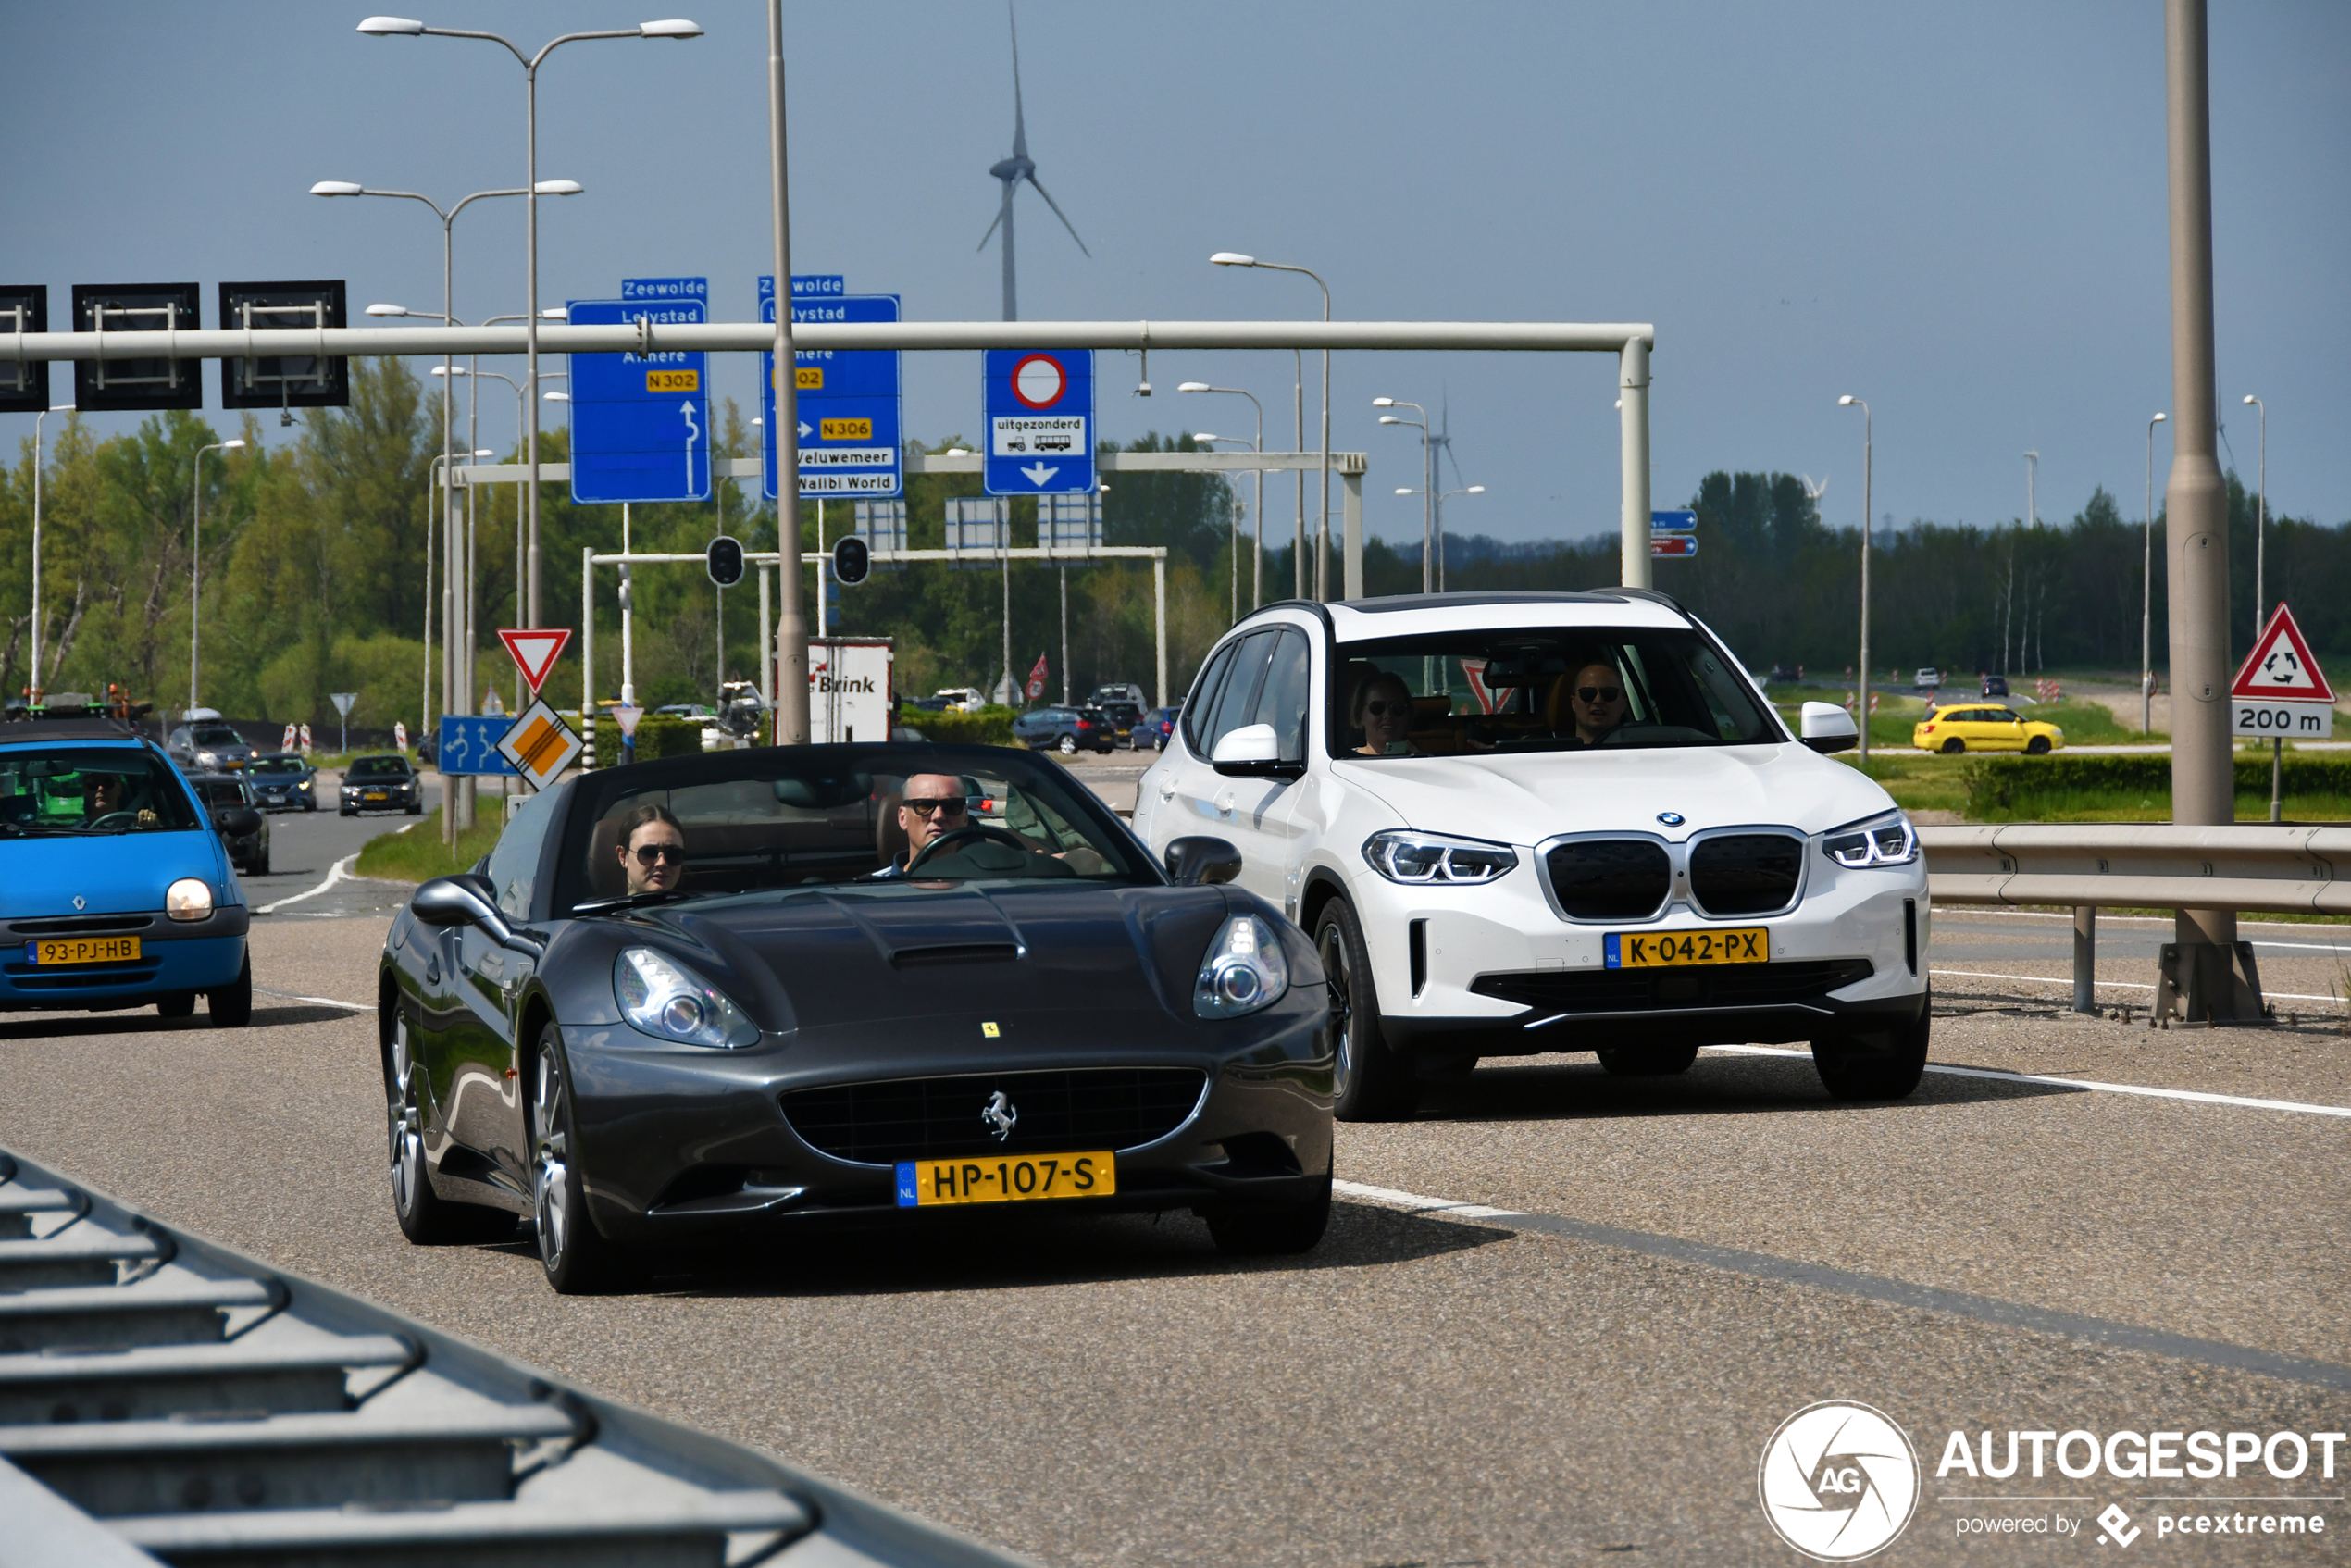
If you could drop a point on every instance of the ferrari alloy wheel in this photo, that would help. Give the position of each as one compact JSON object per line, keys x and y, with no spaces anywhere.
{"x":1875,"y":1064}
{"x":1373,"y":1083}
{"x":574,"y":1252}
{"x":426,"y":1218}
{"x":1646,"y":1061}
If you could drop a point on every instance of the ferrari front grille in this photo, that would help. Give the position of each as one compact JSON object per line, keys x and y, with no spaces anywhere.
{"x":1071,"y":1109}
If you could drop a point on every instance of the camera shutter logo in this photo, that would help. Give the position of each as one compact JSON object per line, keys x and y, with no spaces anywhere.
{"x":1838,"y":1481}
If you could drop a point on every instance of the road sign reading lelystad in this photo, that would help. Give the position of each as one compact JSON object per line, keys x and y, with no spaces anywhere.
{"x":1039,"y":408}
{"x":849,"y":441}
{"x":640,"y":422}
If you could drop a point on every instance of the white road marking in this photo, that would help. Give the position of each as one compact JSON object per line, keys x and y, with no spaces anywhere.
{"x":2199,"y":1096}
{"x":2126,"y":985}
{"x":335,"y":873}
{"x":321,"y":1000}
{"x":1417,"y":1203}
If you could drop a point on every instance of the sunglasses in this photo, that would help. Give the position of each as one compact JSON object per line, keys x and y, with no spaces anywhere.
{"x":1376,"y":707}
{"x":648,"y":854}
{"x":1600,"y":693}
{"x":951,"y":806}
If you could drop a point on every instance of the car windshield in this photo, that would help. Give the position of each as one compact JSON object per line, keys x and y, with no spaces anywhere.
{"x":1562,"y":689}
{"x":818,"y":814}
{"x":217,"y":735}
{"x":378,"y":767}
{"x":277,"y":765}
{"x":89,"y":789}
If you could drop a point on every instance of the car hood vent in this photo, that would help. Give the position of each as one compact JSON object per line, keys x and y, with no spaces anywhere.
{"x":954,"y":953}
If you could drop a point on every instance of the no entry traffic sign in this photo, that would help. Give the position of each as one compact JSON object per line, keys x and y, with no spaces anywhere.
{"x":1038,"y":406}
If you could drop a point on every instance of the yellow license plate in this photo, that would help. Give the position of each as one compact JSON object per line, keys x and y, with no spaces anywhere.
{"x":1667,"y":949}
{"x":374,"y":795}
{"x":83,"y":950}
{"x":1002,"y":1178}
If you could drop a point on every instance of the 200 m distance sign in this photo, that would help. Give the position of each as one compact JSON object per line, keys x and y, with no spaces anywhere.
{"x":1038,"y":406}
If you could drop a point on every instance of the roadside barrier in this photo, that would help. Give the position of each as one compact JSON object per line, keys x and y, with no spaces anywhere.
{"x":166,"y":1400}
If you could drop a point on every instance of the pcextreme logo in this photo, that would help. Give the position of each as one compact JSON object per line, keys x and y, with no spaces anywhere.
{"x":1838,"y":1481}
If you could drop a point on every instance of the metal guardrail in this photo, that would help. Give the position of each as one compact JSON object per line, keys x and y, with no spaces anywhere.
{"x":164,"y":1400}
{"x":2090,"y":866}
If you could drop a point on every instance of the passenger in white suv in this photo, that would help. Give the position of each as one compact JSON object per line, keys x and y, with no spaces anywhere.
{"x":1588,"y":831}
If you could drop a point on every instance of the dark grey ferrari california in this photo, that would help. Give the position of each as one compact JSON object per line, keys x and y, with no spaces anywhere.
{"x":827,"y":1019}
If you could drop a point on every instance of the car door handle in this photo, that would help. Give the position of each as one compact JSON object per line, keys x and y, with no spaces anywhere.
{"x":1167,"y":788}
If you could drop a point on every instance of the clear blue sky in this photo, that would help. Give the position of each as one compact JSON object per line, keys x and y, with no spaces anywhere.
{"x":1956,"y":212}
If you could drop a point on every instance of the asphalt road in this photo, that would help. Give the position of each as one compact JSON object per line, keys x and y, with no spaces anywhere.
{"x":1684,"y":1263}
{"x":305,"y":848}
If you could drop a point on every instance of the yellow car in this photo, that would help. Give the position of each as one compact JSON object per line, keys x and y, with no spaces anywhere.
{"x":1975,"y":728}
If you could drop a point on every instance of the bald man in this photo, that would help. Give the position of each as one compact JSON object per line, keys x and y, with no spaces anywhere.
{"x":934,"y":804}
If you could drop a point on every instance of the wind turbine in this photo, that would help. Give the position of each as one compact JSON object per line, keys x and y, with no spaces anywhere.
{"x":1011,"y":171}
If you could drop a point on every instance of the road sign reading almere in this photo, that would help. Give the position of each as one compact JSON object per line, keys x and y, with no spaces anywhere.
{"x":640,"y":422}
{"x":1039,"y":408}
{"x":850,"y":442}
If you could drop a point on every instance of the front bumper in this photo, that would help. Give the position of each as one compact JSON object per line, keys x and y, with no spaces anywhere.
{"x":677,"y":1143}
{"x":1496,"y":970}
{"x":175,"y":957}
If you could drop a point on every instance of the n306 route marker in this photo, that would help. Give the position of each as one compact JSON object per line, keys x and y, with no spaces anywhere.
{"x":535,"y":651}
{"x":2281,"y":694}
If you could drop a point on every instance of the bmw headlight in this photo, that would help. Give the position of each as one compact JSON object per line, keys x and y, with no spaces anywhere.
{"x":1402,"y":856}
{"x":1242,"y":971}
{"x":188,"y":899}
{"x":665,"y":998}
{"x":1887,"y":840}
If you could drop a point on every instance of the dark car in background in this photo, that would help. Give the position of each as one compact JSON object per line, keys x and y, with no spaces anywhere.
{"x":284,"y":781}
{"x":231,"y":801}
{"x":1996,"y":686}
{"x":1066,"y":730}
{"x":208,"y":746}
{"x":383,"y":783}
{"x":1124,"y":718}
{"x":1156,"y":726}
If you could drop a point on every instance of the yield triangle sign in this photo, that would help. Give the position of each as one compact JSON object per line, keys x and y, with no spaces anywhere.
{"x":536,"y":650}
{"x":2280,"y":669}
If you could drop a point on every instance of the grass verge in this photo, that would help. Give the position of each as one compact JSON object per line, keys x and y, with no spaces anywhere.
{"x":414,"y":852}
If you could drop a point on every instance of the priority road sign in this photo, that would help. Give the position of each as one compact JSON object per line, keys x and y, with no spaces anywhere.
{"x":2279,"y":692}
{"x":535,"y":651}
{"x":469,"y":745}
{"x":640,"y":422}
{"x":850,"y":408}
{"x":1039,"y":408}
{"x":539,"y":746}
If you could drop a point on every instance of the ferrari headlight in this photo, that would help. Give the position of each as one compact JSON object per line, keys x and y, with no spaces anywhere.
{"x":665,"y":998}
{"x":1242,"y":971}
{"x":189,"y":899}
{"x":1887,"y":839}
{"x":1402,"y":856}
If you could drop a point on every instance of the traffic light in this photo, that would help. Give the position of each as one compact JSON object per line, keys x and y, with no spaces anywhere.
{"x":24,"y":388}
{"x":288,"y":382}
{"x":104,"y":384}
{"x":725,"y":559}
{"x":853,"y":559}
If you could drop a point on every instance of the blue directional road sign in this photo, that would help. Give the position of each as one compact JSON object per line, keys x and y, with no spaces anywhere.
{"x":469,"y":743}
{"x":640,"y":422}
{"x":1672,"y":522}
{"x":1039,"y":408}
{"x":849,"y":399}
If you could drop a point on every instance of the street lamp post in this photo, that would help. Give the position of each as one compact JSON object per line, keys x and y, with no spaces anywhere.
{"x":38,"y":420}
{"x":1323,"y":525}
{"x":1257,"y":578}
{"x":195,"y":558}
{"x":2260,"y":515}
{"x":473,"y":432}
{"x":1428,"y":487}
{"x":1441,"y":498}
{"x":402,"y":27}
{"x":1861,"y":694}
{"x":2146,"y":596}
{"x":1207,"y":439}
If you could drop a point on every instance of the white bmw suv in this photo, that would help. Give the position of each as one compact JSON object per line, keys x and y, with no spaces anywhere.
{"x":1521,"y":823}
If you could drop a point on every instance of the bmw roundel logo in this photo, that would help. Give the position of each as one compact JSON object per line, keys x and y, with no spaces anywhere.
{"x":1672,"y":818}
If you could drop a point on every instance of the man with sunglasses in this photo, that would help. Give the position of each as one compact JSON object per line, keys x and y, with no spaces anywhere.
{"x":652,"y":850}
{"x":1596,"y":701}
{"x":934,"y":804}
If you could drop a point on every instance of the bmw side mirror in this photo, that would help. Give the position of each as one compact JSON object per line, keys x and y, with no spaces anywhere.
{"x":1252,"y":751}
{"x":1201,"y":860}
{"x":1826,"y":727}
{"x":239,"y":822}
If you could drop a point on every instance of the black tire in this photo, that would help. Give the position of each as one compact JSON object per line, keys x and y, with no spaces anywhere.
{"x":1647,"y":1061}
{"x":349,"y":811}
{"x":1257,"y":1230}
{"x":575,"y":1256}
{"x":180,"y":1004}
{"x":1066,"y":745}
{"x":1876,"y":1064}
{"x":1371,"y":1082}
{"x":1954,"y":746}
{"x":261,"y":867}
{"x":232,"y":1005}
{"x":417,"y":807}
{"x":2037,"y":747}
{"x":426,"y":1218}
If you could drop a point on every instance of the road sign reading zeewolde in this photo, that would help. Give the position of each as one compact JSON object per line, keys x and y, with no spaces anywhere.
{"x":535,"y":651}
{"x":1039,"y":408}
{"x":849,"y":441}
{"x":640,"y":422}
{"x":2279,"y":692}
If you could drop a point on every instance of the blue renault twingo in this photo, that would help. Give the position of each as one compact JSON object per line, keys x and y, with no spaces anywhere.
{"x":115,"y":889}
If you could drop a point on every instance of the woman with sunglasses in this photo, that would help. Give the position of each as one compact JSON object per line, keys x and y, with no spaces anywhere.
{"x":652,"y":850}
{"x":1596,"y":701}
{"x":1384,"y":713}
